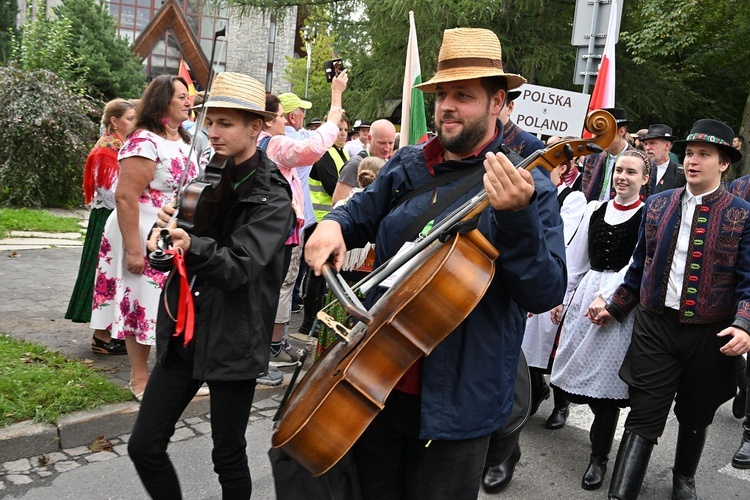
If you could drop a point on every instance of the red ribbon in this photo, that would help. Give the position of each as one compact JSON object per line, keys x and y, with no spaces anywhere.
{"x":185,"y":309}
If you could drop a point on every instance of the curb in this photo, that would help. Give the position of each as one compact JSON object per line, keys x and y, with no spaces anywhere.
{"x":29,"y":439}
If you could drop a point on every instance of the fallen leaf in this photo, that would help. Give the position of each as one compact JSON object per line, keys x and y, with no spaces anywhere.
{"x":42,"y":461}
{"x":87,"y":361}
{"x":100,"y":444}
{"x":14,"y":255}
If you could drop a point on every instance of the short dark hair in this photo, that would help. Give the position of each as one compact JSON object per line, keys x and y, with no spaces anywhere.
{"x":272,"y":103}
{"x":741,"y":139}
{"x":492,"y":84}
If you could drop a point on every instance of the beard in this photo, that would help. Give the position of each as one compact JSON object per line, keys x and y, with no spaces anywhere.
{"x":467,"y":139}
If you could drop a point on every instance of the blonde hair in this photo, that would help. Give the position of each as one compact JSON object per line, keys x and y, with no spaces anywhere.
{"x":117,"y":108}
{"x":368,"y":170}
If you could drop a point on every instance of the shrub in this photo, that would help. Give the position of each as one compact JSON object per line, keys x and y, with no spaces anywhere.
{"x":45,"y":135}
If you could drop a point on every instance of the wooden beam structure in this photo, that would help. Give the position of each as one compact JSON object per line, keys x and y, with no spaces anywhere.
{"x":171,"y":16}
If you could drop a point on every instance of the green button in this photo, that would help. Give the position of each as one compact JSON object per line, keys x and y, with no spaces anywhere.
{"x":695,"y":266}
{"x":692,"y":290}
{"x":689,"y":313}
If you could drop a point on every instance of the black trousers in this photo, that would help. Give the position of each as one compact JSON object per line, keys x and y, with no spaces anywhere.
{"x":668,"y":358}
{"x":169,"y":390}
{"x":394,"y":464}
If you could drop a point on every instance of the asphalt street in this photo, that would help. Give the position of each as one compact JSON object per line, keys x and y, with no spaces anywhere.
{"x":34,"y":290}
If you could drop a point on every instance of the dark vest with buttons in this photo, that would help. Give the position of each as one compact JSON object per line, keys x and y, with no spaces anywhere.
{"x":610,"y":246}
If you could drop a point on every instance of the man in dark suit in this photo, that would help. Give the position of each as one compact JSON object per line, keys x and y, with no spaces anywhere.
{"x":666,"y":174}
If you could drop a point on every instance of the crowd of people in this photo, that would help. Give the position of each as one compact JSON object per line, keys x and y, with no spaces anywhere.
{"x":623,"y":276}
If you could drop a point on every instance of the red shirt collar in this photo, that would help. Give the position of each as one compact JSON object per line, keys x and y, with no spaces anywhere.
{"x":434,"y":152}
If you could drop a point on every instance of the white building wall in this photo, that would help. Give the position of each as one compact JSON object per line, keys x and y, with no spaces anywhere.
{"x":248,"y":46}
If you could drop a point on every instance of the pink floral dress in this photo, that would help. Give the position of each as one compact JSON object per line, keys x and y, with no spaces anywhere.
{"x":126,"y":303}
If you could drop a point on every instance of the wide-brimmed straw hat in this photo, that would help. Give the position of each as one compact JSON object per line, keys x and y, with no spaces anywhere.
{"x":712,"y":132}
{"x":238,"y":91}
{"x":468,"y":53}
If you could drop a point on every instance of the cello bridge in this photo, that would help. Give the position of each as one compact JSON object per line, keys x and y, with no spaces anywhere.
{"x":340,"y":330}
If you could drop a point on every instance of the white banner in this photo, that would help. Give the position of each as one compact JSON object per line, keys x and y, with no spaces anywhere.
{"x":549,"y":111}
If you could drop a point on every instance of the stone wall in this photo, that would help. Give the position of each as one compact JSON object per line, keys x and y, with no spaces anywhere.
{"x":248,"y":46}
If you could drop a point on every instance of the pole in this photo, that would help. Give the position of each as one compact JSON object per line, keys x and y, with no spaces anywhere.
{"x":592,"y":41}
{"x":308,"y":48}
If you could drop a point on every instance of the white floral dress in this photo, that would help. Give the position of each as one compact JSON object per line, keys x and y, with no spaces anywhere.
{"x":126,"y":303}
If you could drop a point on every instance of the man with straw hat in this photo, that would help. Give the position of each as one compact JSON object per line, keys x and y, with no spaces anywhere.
{"x":689,"y":283}
{"x":430,"y":440}
{"x":234,"y":282}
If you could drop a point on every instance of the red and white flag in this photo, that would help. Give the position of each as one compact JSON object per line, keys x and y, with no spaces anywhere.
{"x":413,"y":121}
{"x":604,"y":89}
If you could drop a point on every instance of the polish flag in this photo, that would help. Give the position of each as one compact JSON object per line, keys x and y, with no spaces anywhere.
{"x":413,"y":121}
{"x":604,"y":88}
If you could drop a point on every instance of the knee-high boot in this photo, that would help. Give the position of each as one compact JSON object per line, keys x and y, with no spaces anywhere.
{"x":743,"y":384}
{"x":602,"y":434}
{"x":630,"y":467}
{"x":686,"y":458}
{"x":539,"y":389}
{"x":741,"y":459}
{"x":559,"y":414}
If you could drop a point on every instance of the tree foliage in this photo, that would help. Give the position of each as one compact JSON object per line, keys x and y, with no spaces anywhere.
{"x":112,"y":70}
{"x":47,"y":132}
{"x":319,"y":90}
{"x":46,"y":44}
{"x":676,"y":61}
{"x":8,"y":12}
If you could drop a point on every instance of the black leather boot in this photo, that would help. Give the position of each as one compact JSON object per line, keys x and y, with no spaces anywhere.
{"x":559,"y":414}
{"x":539,"y":389}
{"x":686,"y":458}
{"x":630,"y":467}
{"x":498,"y":477}
{"x":602,"y":434}
{"x":740,"y":400}
{"x":741,"y":459}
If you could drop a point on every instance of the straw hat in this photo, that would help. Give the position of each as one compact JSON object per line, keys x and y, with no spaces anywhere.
{"x":468,"y":53}
{"x":238,"y":91}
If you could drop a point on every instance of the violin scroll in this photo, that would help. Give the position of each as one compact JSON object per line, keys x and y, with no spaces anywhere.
{"x":159,"y":259}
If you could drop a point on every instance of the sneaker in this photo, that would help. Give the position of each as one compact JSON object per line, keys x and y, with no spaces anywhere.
{"x":287,"y":356}
{"x":272,"y":377}
{"x":297,"y":307}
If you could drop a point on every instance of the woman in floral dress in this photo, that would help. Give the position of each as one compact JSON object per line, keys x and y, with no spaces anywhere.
{"x":99,"y":177}
{"x":154,"y":165}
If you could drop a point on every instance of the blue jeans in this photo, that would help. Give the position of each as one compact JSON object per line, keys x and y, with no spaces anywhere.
{"x":169,"y":390}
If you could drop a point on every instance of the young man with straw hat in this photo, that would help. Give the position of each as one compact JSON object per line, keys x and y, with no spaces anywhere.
{"x":689,"y":284}
{"x":234,"y":283}
{"x":430,"y":440}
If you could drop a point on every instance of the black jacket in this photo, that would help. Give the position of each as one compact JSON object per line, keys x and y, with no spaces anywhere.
{"x":237,"y":282}
{"x":673,"y":178}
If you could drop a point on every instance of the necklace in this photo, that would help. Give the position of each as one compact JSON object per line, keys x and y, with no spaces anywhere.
{"x":627,"y":207}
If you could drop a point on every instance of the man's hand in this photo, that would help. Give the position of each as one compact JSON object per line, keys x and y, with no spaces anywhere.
{"x":740,"y":344}
{"x":338,"y":85}
{"x":180,"y":239}
{"x":165,"y":215}
{"x":508,"y":188}
{"x":325,"y":241}
{"x":602,"y":318}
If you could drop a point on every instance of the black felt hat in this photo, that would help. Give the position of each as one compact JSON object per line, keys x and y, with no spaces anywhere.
{"x":513,"y":95}
{"x":619,"y":115}
{"x":659,"y":131}
{"x":712,"y":132}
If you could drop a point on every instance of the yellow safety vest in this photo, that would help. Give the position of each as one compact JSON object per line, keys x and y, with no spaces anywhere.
{"x":321,"y":200}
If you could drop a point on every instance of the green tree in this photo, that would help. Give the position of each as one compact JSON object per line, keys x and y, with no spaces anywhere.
{"x":319,"y":90}
{"x":111,"y":69}
{"x":46,"y":44}
{"x":47,"y":132}
{"x":8,"y":12}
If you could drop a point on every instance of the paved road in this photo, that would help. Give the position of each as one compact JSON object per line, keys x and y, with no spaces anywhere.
{"x":34,"y":289}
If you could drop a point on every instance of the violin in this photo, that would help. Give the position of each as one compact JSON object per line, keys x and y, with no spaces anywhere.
{"x":201,"y":205}
{"x":343,"y":392}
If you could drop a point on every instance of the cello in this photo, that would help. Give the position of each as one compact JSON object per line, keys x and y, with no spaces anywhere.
{"x":343,"y":392}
